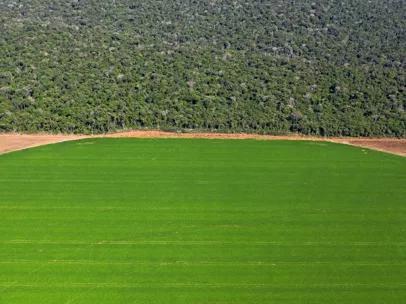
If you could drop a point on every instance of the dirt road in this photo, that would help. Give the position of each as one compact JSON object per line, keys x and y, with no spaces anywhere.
{"x":14,"y":142}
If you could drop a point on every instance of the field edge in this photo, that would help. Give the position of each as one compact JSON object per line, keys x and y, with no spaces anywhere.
{"x":10,"y":142}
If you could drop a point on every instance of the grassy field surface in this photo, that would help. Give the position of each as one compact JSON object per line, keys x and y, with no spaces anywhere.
{"x":111,"y":221}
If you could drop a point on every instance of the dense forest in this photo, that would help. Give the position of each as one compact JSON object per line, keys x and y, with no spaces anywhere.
{"x":321,"y":67}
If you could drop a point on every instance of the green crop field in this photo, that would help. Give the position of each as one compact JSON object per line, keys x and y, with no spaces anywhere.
{"x":106,"y":221}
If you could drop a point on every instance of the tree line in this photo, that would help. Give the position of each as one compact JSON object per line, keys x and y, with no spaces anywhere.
{"x":329,"y":68}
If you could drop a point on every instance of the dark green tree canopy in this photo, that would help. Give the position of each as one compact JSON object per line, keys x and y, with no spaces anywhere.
{"x":269,"y":66}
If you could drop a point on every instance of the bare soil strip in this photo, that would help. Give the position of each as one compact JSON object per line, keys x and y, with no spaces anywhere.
{"x":13,"y":142}
{"x":394,"y":146}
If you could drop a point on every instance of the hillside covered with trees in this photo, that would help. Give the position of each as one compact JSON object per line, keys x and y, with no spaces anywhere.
{"x":321,"y":67}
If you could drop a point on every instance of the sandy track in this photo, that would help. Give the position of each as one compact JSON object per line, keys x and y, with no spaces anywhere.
{"x":13,"y":142}
{"x":389,"y":145}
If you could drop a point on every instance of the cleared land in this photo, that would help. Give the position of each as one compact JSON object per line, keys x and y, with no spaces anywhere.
{"x":202,"y":221}
{"x":12,"y":142}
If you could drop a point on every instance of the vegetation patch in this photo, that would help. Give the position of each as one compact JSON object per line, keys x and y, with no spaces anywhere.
{"x":329,"y":68}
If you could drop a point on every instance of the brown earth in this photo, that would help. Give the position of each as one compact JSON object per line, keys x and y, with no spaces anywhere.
{"x":394,"y":146}
{"x":13,"y":142}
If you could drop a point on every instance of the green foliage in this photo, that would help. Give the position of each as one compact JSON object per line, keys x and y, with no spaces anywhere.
{"x":315,"y":67}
